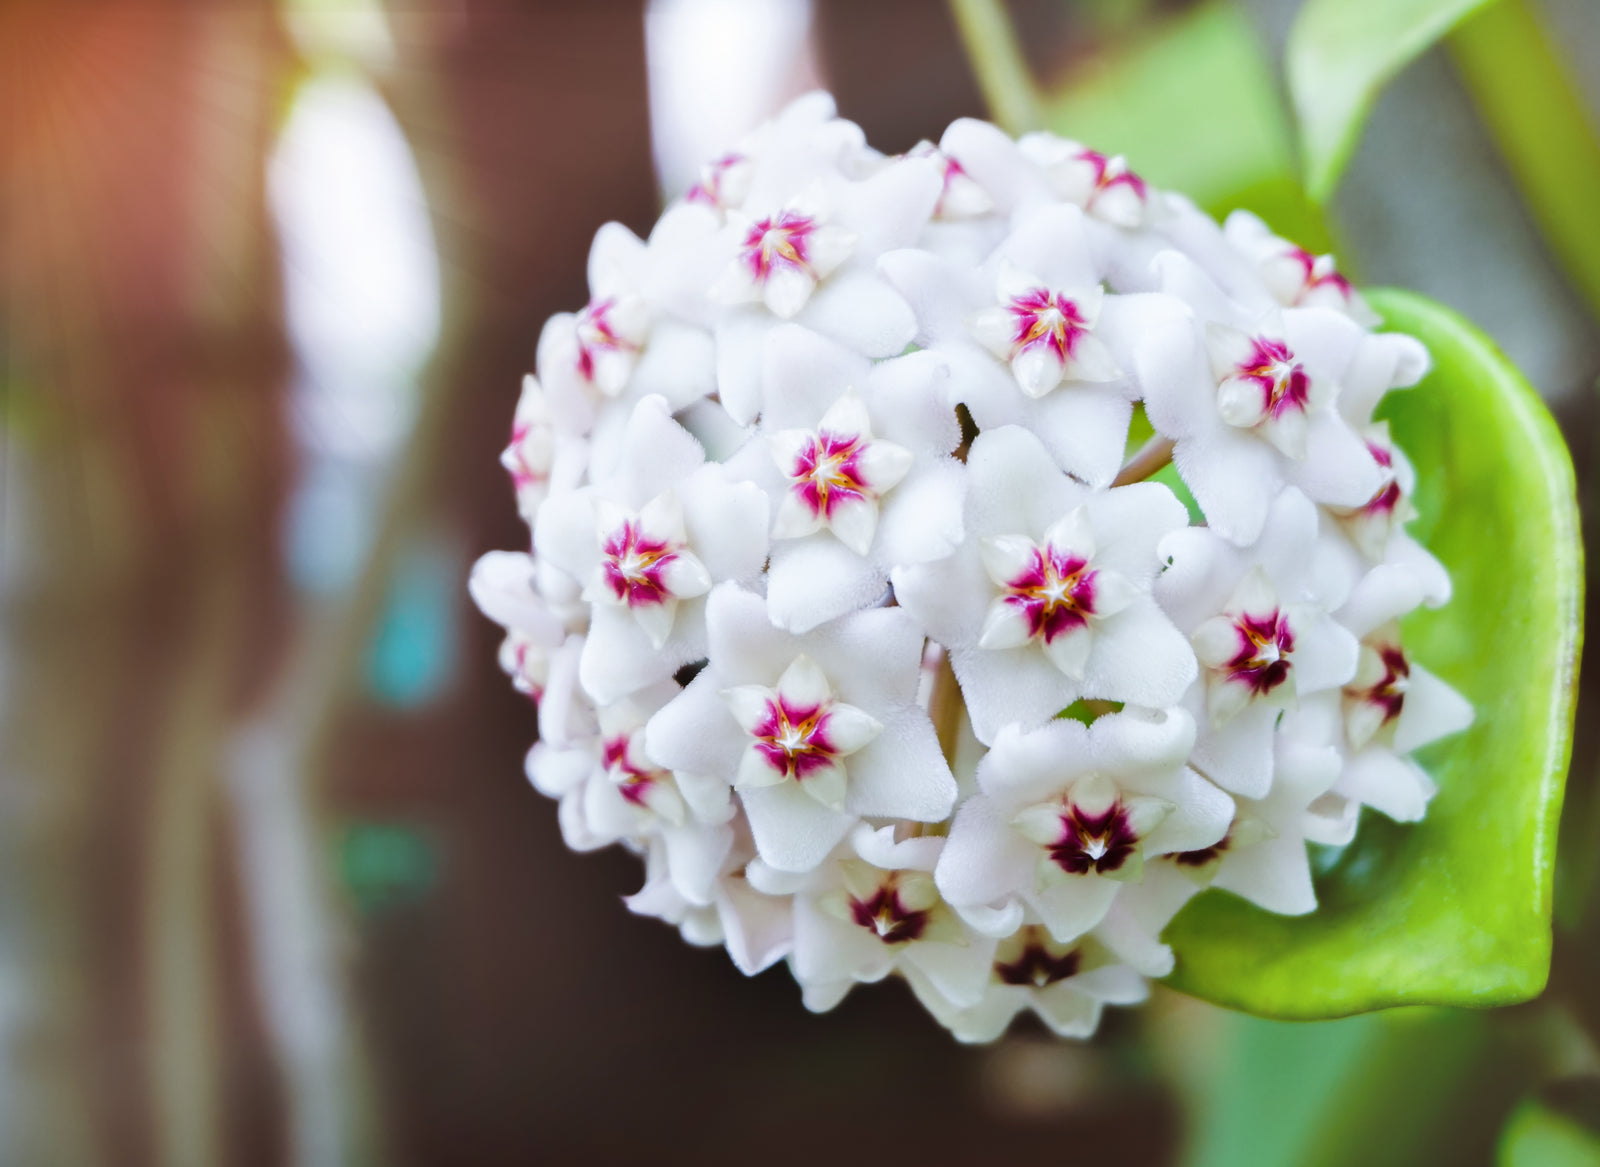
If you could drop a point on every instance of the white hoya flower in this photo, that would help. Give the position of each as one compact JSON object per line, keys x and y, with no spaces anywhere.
{"x":812,"y":259}
{"x":1067,"y":813}
{"x":1263,"y":856}
{"x":757,"y":929}
{"x":872,"y":909}
{"x":854,"y":459}
{"x":1048,"y":599}
{"x":1033,"y":339}
{"x":610,"y":791}
{"x":647,"y":543}
{"x":538,"y":458}
{"x":842,"y":617}
{"x":1247,"y":399}
{"x":813,"y":731}
{"x":1066,"y":983}
{"x":645,"y":328}
{"x":1390,"y":707}
{"x":1295,"y":277}
{"x":503,"y":586}
{"x":1376,"y":529}
{"x":1102,"y":185}
{"x":805,"y":141}
{"x":1260,"y":621}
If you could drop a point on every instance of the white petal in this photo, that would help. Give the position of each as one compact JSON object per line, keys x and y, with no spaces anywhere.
{"x":804,"y":685}
{"x":1092,"y":361}
{"x":1006,"y":557}
{"x":1072,"y":534}
{"x":818,"y":579}
{"x":854,"y":522}
{"x":686,"y":577}
{"x":849,"y":728}
{"x":862,"y":312}
{"x":883,"y":465}
{"x":1005,"y":625}
{"x":1216,"y":642}
{"x":1037,"y":370}
{"x":656,"y":620}
{"x":749,"y":704}
{"x":795,"y":518}
{"x":1432,"y":710}
{"x":1069,"y":650}
{"x":792,"y":830}
{"x":995,"y":329}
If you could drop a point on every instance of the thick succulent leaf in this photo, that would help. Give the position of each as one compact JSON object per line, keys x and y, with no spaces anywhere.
{"x":1340,"y":54}
{"x":1456,"y":909}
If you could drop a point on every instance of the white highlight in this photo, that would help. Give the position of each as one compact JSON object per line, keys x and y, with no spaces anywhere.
{"x":718,"y":68}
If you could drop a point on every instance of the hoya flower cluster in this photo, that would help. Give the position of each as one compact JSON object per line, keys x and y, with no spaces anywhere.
{"x":856,"y":612}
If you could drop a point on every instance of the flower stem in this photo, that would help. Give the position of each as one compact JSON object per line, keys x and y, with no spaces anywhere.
{"x":997,"y":60}
{"x":945,"y":707}
{"x":1152,"y":456}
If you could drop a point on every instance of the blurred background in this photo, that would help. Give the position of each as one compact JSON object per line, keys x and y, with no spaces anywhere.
{"x":273,"y":887}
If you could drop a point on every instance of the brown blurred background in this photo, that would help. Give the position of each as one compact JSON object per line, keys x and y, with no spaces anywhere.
{"x":273,"y":887}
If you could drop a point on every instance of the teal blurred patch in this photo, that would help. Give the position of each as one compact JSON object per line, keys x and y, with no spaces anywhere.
{"x":411,"y":657}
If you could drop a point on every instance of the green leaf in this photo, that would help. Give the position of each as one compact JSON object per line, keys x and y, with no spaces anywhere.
{"x":1537,"y":1136}
{"x":1189,"y":98}
{"x":1454,"y":910}
{"x":1340,"y":54}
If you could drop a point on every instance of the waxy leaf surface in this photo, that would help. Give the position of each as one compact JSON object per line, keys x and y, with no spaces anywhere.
{"x":1454,"y":910}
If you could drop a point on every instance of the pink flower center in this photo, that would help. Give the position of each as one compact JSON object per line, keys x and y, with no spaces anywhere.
{"x":516,"y":459}
{"x":1107,"y":176}
{"x":521,"y":678}
{"x":1319,"y":272}
{"x":1262,"y":658}
{"x":887,"y":918}
{"x":709,"y":189}
{"x":1282,"y":380}
{"x":1035,"y":965}
{"x":1055,"y":593}
{"x":1387,"y":499}
{"x":1098,"y":842}
{"x":778,"y":241}
{"x":635,"y":564}
{"x":597,"y":334}
{"x":1047,"y":318}
{"x":827,"y":472}
{"x":1389,"y":693}
{"x":949,"y":171}
{"x":794,"y":739}
{"x":633,"y":781}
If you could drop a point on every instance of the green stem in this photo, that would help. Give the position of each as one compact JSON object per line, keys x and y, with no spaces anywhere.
{"x":1525,"y":93}
{"x":998,"y":63}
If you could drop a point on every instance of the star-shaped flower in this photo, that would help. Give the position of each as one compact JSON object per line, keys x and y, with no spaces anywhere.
{"x":1048,"y":598}
{"x":1066,"y":813}
{"x":813,"y":259}
{"x":1032,"y":339}
{"x":872,"y":909}
{"x":855,"y":459}
{"x":1297,"y":278}
{"x":1259,"y":619}
{"x":1247,"y":398}
{"x":647,"y":541}
{"x":1066,"y":984}
{"x":644,"y":329}
{"x":1102,"y":185}
{"x":814,"y":730}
